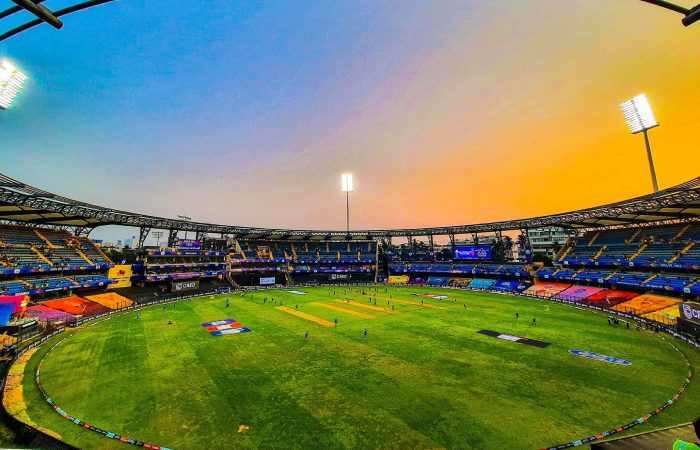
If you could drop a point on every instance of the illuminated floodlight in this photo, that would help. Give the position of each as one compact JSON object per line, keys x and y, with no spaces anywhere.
{"x":346,"y":181}
{"x":346,"y":186}
{"x":11,"y":82}
{"x":640,"y":118}
{"x":638,"y":114}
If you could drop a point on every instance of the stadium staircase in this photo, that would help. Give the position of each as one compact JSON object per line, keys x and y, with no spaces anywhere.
{"x":633,"y":237}
{"x":288,"y":277}
{"x":682,"y":252}
{"x":100,"y":252}
{"x":612,"y":274}
{"x":565,"y":250}
{"x":599,"y":252}
{"x":650,"y":278}
{"x":639,"y":250}
{"x":43,"y":238}
{"x":680,"y":233}
{"x":231,"y":281}
{"x":41,"y":256}
{"x":84,"y":256}
{"x":595,"y":236}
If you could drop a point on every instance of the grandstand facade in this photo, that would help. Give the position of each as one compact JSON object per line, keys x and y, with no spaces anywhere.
{"x":642,"y":254}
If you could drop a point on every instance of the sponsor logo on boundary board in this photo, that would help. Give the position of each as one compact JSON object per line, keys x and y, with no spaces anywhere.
{"x":599,"y":357}
{"x":518,"y":339}
{"x":224,"y":327}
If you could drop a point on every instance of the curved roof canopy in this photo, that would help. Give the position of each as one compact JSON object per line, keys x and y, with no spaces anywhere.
{"x":20,"y":202}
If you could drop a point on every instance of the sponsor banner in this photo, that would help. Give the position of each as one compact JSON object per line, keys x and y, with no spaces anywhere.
{"x":218,"y":322}
{"x":398,"y":279}
{"x":473,"y":252}
{"x":339,"y":276}
{"x":297,"y":292}
{"x":518,"y":339}
{"x":267,"y":281}
{"x":231,"y":331}
{"x":121,"y":275}
{"x":183,"y":286}
{"x":690,"y":311}
{"x":189,"y":244}
{"x":599,"y":357}
{"x":227,"y":326}
{"x":182,"y":275}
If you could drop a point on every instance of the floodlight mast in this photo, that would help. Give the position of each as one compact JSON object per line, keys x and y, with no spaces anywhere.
{"x":691,"y":15}
{"x":346,"y":186}
{"x":640,"y":119}
{"x":42,"y":12}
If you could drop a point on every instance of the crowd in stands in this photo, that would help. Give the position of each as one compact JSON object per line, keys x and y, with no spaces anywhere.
{"x":670,"y":246}
{"x":159,"y":265}
{"x":628,"y":268}
{"x":42,"y":260}
{"x":309,"y":252}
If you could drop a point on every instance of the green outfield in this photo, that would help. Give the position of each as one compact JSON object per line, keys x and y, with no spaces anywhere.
{"x":423,"y":377}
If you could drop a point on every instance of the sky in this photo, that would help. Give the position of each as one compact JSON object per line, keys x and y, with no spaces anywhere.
{"x":446,"y":112}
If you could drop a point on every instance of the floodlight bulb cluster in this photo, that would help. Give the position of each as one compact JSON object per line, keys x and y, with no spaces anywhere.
{"x":347,"y":182}
{"x":11,"y":82}
{"x":638,"y":114}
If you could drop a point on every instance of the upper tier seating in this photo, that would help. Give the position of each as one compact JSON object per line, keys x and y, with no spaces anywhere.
{"x":19,"y":236}
{"x":65,"y":257}
{"x":56,"y":237}
{"x":21,"y":258}
{"x":89,"y":249}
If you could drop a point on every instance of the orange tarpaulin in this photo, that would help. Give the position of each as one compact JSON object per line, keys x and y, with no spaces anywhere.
{"x":666,"y":315}
{"x":546,"y":289}
{"x":76,"y":305}
{"x":646,"y":303}
{"x":111,"y":300}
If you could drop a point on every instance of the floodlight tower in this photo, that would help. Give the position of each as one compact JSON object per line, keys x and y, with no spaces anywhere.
{"x":11,"y":82}
{"x":346,"y":185}
{"x":640,"y":118}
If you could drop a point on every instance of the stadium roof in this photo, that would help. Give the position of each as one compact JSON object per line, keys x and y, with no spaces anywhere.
{"x":21,"y":203}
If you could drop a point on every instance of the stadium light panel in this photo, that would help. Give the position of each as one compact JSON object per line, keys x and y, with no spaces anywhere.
{"x":638,"y":114}
{"x":11,"y":82}
{"x":347,"y":182}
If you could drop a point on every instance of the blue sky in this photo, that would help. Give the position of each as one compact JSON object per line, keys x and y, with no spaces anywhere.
{"x":247,"y":112}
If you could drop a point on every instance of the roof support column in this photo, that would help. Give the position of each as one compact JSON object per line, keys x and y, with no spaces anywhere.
{"x":143,"y":234}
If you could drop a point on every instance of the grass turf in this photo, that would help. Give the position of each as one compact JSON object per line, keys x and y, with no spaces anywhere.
{"x":422,"y":379}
